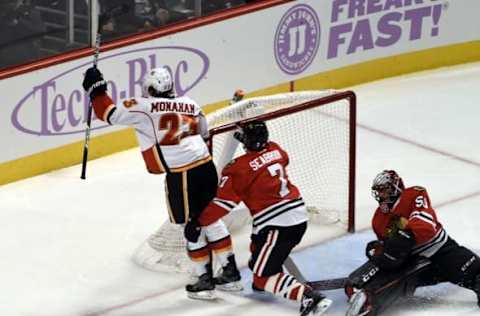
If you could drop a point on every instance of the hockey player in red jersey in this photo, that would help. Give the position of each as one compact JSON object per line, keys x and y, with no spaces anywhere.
{"x":171,"y":132}
{"x":412,"y":250}
{"x":259,"y":179}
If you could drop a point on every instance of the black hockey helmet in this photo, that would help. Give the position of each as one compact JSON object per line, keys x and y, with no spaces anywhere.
{"x":386,"y":188}
{"x":253,"y":135}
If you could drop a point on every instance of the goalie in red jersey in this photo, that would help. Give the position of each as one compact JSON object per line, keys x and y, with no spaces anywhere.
{"x":259,"y":179}
{"x":412,"y":250}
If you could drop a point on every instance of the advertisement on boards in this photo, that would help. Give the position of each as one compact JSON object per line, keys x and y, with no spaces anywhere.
{"x":47,"y":108}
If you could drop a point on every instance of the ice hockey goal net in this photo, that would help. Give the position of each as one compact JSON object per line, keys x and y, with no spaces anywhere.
{"x":316,"y":128}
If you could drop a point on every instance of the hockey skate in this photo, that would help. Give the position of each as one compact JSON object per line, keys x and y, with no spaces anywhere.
{"x":203,"y":289}
{"x":314,"y":304}
{"x":229,"y":279}
{"x":358,"y":304}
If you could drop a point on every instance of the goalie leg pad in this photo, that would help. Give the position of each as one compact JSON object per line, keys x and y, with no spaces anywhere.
{"x":358,"y":304}
{"x":477,"y":289}
{"x":361,"y":276}
{"x":382,"y":288}
{"x":457,"y":264}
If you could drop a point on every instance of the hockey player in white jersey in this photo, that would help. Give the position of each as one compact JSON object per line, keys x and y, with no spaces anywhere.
{"x":171,"y":133}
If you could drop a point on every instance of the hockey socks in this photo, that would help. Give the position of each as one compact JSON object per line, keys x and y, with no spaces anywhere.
{"x":286,"y":286}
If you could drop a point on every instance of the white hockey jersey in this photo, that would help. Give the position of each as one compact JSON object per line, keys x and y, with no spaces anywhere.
{"x":170,"y":131}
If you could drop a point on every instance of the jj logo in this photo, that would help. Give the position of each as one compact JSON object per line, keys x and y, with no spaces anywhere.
{"x":297,"y":39}
{"x":297,"y":36}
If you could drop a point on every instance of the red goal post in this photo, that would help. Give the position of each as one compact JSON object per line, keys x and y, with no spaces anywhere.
{"x":316,"y":128}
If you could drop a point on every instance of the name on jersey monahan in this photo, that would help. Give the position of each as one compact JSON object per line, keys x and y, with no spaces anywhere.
{"x":171,"y":106}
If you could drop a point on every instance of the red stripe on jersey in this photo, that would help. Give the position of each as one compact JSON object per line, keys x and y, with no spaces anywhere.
{"x":152,"y":160}
{"x":211,"y":214}
{"x":423,"y":230}
{"x":200,"y":254}
{"x":224,"y":244}
{"x":102,"y":104}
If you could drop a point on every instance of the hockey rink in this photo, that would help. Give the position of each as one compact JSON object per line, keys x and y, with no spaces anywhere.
{"x":67,"y":243}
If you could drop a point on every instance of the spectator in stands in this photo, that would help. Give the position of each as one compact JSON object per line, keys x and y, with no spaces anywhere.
{"x":210,"y":6}
{"x":126,"y":17}
{"x":22,"y":31}
{"x":55,"y":14}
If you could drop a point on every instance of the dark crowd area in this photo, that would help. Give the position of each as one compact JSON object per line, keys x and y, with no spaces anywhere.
{"x":35,"y":29}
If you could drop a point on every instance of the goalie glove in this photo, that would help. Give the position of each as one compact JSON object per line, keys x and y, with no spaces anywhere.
{"x":93,"y":82}
{"x":373,"y":247}
{"x":396,"y":250}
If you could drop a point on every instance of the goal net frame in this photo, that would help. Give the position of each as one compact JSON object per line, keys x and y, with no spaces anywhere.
{"x":164,"y":250}
{"x":336,"y":96}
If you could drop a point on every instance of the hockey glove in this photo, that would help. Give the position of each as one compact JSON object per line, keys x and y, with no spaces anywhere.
{"x":192,"y":230}
{"x":395,"y":251}
{"x":373,"y":247}
{"x":93,"y":82}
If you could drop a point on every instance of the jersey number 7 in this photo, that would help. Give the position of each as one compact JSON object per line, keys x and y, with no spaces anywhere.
{"x":278,"y":170}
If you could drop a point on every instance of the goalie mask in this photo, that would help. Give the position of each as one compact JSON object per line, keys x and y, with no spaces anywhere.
{"x":386,"y":189}
{"x":253,"y":135}
{"x":158,"y":83}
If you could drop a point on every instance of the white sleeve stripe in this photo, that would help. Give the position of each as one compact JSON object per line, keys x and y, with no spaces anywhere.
{"x":426,"y":220}
{"x":224,"y":205}
{"x":429,"y":216}
{"x":227,"y":202}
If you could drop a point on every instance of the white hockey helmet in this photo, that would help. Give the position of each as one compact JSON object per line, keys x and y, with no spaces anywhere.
{"x":156,"y":82}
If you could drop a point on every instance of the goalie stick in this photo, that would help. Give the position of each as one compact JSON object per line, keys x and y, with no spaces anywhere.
{"x":328,"y":284}
{"x":321,"y":285}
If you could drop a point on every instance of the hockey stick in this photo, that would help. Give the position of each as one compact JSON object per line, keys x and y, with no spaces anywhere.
{"x":328,"y":284}
{"x":293,"y":269}
{"x":89,"y":114}
{"x":116,"y":11}
{"x":323,"y":285}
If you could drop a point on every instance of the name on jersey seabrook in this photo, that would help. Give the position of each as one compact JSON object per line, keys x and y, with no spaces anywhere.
{"x":265,"y":158}
{"x":167,"y":106}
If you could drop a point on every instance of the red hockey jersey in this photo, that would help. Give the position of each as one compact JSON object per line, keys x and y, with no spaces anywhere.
{"x":260,"y":180}
{"x":412,"y":211}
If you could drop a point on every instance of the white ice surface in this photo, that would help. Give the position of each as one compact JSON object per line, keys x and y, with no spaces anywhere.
{"x":66,"y":244}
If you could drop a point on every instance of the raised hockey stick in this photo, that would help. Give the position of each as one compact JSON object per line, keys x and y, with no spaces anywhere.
{"x":89,"y":114}
{"x":102,"y":18}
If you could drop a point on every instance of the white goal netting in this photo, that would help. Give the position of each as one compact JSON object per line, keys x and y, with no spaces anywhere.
{"x":318,"y":138}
